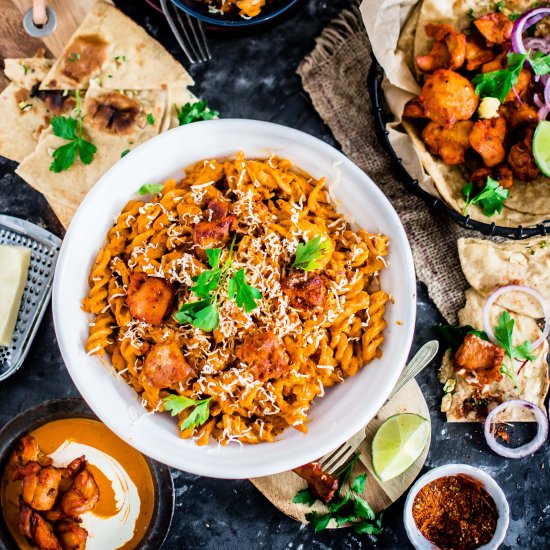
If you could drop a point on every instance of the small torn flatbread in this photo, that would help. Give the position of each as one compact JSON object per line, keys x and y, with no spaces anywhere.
{"x":27,"y":72}
{"x":461,"y":404}
{"x":113,"y":122}
{"x":488,"y":266}
{"x":111,"y":48}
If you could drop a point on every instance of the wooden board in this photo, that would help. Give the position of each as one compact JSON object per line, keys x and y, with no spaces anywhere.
{"x":281,"y":488}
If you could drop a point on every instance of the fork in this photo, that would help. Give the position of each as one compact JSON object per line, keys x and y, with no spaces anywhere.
{"x":334,"y":461}
{"x":193,"y":42}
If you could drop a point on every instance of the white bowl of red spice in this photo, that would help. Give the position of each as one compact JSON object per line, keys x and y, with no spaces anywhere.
{"x":456,"y":506}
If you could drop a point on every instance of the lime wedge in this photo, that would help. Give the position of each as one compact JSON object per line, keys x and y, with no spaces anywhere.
{"x":541,"y":146}
{"x":398,"y":443}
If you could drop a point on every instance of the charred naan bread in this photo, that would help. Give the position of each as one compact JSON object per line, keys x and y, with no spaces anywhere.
{"x":111,"y":48}
{"x":467,"y":402}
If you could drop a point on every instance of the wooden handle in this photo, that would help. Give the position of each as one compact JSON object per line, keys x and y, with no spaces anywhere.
{"x":39,"y":16}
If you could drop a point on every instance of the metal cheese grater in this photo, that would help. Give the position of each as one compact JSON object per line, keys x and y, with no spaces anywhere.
{"x":44,"y":250}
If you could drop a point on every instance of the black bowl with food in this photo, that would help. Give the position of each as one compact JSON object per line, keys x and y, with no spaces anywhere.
{"x":68,"y":480}
{"x":228,"y":14}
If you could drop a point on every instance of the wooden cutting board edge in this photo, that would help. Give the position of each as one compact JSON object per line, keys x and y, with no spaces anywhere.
{"x":280,"y":489}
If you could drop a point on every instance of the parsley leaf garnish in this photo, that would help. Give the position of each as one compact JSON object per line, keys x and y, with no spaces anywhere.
{"x":204,"y":313}
{"x":71,"y":129}
{"x":307,"y":254}
{"x":244,"y":294}
{"x":124,"y":153}
{"x":499,"y":83}
{"x":540,"y":63}
{"x":453,"y":336}
{"x":150,"y":188}
{"x":503,"y":335}
{"x":470,"y":14}
{"x":25,"y":67}
{"x":192,"y":112}
{"x":351,"y":508}
{"x":150,"y":119}
{"x":178,"y":403}
{"x":491,"y":198}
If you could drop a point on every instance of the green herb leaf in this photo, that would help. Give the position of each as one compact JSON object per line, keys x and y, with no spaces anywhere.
{"x":499,"y":83}
{"x":206,"y":283}
{"x":150,"y":189}
{"x":363,"y":509}
{"x":540,"y":62}
{"x":192,"y":112}
{"x":207,"y":319}
{"x":150,"y":119}
{"x":491,"y":198}
{"x":25,"y":68}
{"x":503,"y":333}
{"x":318,"y":522}
{"x":367,"y":528}
{"x":307,"y":254}
{"x":188,"y":312}
{"x":120,"y":58}
{"x":334,"y":507}
{"x":177,"y":403}
{"x":304,"y":497}
{"x":358,"y":484}
{"x":525,"y":351}
{"x":453,"y":335}
{"x":244,"y":294}
{"x":124,"y":153}
{"x":63,"y":157}
{"x":470,"y":14}
{"x":213,"y":255}
{"x":73,"y":57}
{"x":198,"y":417}
{"x":64,"y":127}
{"x":86,"y":150}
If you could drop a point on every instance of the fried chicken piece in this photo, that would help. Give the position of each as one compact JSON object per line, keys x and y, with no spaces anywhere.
{"x":264,"y":354}
{"x":149,"y":298}
{"x":495,"y":27}
{"x":42,"y":533}
{"x":476,"y":55}
{"x":219,"y":209}
{"x":40,"y":486}
{"x":496,"y":64}
{"x":487,"y":137}
{"x":414,"y":109}
{"x":320,"y":483}
{"x":520,"y":87}
{"x":448,"y":51}
{"x":521,"y":158}
{"x":448,"y":97}
{"x":212,"y":234}
{"x":478,"y":361}
{"x":75,"y":466}
{"x":25,"y":516}
{"x":165,"y":366}
{"x":26,"y":451}
{"x":500,"y":173}
{"x":54,"y":515}
{"x":306,"y":291}
{"x":71,"y":535}
{"x":81,"y":496}
{"x":449,"y":143}
{"x":519,"y":115}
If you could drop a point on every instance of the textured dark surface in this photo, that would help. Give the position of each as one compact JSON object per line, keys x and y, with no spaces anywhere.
{"x":254,"y":77}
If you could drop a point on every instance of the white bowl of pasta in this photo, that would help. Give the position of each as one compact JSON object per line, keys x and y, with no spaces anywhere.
{"x":238,"y":298}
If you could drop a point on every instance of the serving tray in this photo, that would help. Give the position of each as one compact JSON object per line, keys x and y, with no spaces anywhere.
{"x":382,"y":117}
{"x":44,"y":250}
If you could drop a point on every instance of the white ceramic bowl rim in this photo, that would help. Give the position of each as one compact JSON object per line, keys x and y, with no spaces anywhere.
{"x":333,"y":419}
{"x":489,"y":484}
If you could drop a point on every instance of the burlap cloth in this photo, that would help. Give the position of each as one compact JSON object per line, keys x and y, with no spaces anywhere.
{"x":335,"y":76}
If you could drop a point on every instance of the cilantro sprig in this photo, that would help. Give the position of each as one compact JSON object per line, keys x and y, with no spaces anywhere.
{"x":178,"y":403}
{"x":193,"y":112}
{"x":307,"y":254}
{"x":349,"y":508}
{"x":71,"y":129}
{"x":204,"y":313}
{"x":503,"y":335}
{"x":150,"y":188}
{"x":491,"y":198}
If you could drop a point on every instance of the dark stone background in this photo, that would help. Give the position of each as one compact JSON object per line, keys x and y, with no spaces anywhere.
{"x":254,"y":77}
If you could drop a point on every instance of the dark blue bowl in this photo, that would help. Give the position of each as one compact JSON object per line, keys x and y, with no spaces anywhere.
{"x":200,"y":11}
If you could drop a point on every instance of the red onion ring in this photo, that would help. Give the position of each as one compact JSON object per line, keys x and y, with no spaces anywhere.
{"x":523,"y":450}
{"x":528,"y":290}
{"x":547,"y":92}
{"x":528,"y":19}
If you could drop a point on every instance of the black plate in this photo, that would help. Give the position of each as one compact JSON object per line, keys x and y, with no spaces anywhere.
{"x":58,"y":409}
{"x":382,"y":117}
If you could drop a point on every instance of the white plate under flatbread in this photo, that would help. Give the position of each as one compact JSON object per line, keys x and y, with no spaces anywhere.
{"x":488,"y":266}
{"x":111,"y":48}
{"x":532,"y":377}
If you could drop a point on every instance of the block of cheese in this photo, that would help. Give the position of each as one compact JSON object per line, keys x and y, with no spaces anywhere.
{"x":14,"y":266}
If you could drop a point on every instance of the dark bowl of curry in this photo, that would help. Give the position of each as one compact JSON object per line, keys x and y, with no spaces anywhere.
{"x":456,"y":507}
